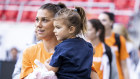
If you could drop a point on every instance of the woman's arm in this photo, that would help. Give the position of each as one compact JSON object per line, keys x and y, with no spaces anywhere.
{"x":124,"y":69}
{"x":26,"y":64}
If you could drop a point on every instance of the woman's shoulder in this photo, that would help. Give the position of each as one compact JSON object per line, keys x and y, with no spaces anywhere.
{"x":30,"y":49}
{"x":34,"y":46}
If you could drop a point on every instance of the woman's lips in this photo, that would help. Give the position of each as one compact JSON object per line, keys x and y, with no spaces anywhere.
{"x":41,"y":31}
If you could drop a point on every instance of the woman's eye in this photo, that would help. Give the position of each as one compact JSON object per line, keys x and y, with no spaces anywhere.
{"x":37,"y":19}
{"x":45,"y":20}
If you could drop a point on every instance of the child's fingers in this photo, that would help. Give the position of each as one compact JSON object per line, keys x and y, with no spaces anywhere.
{"x":48,"y":60}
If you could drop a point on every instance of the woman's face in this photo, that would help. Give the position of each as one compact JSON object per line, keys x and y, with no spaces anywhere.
{"x":91,"y":32}
{"x":104,"y":19}
{"x":44,"y":24}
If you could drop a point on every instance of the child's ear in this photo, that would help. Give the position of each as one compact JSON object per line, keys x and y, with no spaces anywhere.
{"x":72,"y":29}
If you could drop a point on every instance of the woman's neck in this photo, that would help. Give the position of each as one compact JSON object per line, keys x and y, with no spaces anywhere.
{"x":108,"y":33}
{"x":50,"y":44}
{"x":95,"y":42}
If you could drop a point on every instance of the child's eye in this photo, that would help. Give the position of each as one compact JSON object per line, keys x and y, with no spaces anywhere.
{"x":57,"y":27}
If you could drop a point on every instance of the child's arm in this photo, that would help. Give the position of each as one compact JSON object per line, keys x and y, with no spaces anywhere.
{"x":50,"y":68}
{"x":94,"y":75}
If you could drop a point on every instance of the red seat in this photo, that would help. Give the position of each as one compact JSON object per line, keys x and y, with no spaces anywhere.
{"x":95,"y":0}
{"x":1,"y":11}
{"x":80,"y":0}
{"x":28,"y":16}
{"x":23,"y":0}
{"x":131,"y":4}
{"x":32,"y":16}
{"x":11,"y":12}
{"x":12,"y":1}
{"x":60,"y":0}
{"x":122,"y":19}
{"x":29,"y":13}
{"x":92,"y":16}
{"x":36,"y":0}
{"x":121,"y":4}
{"x":25,"y":16}
{"x":106,"y":0}
{"x":11,"y":15}
{"x":2,"y":1}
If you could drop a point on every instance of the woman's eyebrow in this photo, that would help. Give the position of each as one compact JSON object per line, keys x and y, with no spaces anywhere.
{"x":45,"y":17}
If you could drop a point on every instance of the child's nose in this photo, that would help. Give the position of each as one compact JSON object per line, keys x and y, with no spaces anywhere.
{"x":54,"y":30}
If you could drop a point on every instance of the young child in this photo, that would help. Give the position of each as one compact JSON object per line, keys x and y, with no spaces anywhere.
{"x":72,"y":58}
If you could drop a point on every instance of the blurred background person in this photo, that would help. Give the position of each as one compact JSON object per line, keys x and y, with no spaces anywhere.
{"x":117,"y":43}
{"x":138,"y":66}
{"x":103,"y":57}
{"x":18,"y":65}
{"x":12,"y":55}
{"x":132,"y":61}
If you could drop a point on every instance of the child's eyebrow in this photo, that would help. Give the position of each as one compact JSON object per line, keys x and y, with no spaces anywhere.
{"x":56,"y":25}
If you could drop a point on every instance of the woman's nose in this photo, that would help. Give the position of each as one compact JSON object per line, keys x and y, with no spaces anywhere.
{"x":38,"y":24}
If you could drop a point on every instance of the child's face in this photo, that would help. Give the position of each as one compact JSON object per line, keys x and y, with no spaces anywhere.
{"x":61,"y":31}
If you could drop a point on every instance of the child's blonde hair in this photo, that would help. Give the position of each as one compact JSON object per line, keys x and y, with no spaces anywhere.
{"x":73,"y":17}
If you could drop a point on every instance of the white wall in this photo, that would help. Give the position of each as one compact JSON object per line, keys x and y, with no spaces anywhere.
{"x":18,"y":35}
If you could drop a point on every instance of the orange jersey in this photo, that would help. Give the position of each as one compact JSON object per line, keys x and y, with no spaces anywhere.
{"x":122,"y":55}
{"x":29,"y":55}
{"x":97,"y":60}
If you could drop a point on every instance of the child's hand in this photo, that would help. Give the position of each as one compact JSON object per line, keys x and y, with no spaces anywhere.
{"x":48,"y":60}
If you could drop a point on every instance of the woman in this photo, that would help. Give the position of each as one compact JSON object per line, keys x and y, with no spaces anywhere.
{"x":117,"y":43}
{"x":44,"y":49}
{"x":133,"y":59}
{"x":72,"y":58}
{"x":96,"y":34}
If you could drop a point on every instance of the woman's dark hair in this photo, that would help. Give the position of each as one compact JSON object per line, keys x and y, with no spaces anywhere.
{"x":110,"y":15}
{"x":98,"y":26}
{"x":54,"y":8}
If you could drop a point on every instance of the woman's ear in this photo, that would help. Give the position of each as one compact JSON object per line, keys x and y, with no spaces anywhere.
{"x":111,"y":23}
{"x":98,"y":32}
{"x":72,"y":29}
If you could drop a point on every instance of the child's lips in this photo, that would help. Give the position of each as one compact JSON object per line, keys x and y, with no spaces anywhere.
{"x":56,"y":35}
